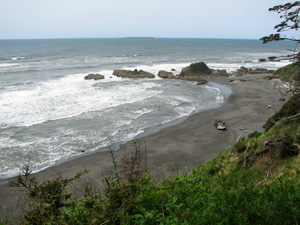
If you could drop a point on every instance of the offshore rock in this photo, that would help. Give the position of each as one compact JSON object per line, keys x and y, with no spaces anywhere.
{"x":219,"y":73}
{"x":133,"y":74}
{"x":200,"y":70}
{"x":92,"y":76}
{"x":244,"y":70}
{"x":165,"y":74}
{"x":195,"y":69}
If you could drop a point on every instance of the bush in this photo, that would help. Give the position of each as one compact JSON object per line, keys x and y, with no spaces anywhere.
{"x":286,"y":148}
{"x":240,"y":146}
{"x":290,"y":108}
{"x":289,"y":72}
{"x":255,"y":134}
{"x":3,"y":222}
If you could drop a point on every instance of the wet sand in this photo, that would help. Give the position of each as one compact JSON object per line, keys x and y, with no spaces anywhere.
{"x":179,"y":147}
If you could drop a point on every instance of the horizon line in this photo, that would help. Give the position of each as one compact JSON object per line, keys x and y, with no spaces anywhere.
{"x":133,"y":37}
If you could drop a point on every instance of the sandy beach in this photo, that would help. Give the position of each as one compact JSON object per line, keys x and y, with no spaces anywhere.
{"x":187,"y":144}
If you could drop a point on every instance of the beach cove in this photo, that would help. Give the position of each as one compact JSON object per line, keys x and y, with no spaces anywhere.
{"x":50,"y":113}
{"x":185,"y":145}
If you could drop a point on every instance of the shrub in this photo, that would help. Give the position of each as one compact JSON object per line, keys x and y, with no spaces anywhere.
{"x":286,"y":148}
{"x":290,"y":108}
{"x":3,"y":222}
{"x":240,"y":146}
{"x":289,"y":72}
{"x":255,"y":134}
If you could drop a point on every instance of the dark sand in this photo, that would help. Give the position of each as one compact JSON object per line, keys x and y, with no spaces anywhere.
{"x":185,"y":145}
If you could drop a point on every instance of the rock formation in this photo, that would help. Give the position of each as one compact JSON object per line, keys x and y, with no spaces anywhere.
{"x":195,"y":70}
{"x":133,"y":74}
{"x":219,"y":73}
{"x":165,"y":74}
{"x":198,"y":71}
{"x":92,"y":76}
{"x":244,"y":70}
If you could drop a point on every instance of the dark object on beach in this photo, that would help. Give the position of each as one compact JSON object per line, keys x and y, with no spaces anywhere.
{"x":282,"y":99}
{"x":220,"y":125}
{"x":268,"y":77}
{"x":92,"y":76}
{"x":201,"y":82}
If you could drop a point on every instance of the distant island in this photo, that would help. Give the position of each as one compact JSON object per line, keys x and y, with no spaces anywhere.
{"x":139,"y":37}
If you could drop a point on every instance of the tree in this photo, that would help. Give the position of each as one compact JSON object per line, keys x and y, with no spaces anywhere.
{"x":290,"y":13}
{"x":291,"y":21}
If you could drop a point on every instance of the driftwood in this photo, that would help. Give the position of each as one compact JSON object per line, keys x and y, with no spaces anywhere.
{"x":264,"y":180}
{"x":220,"y":125}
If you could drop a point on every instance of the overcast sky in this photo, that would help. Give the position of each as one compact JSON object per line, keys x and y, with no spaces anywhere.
{"x":137,"y":18}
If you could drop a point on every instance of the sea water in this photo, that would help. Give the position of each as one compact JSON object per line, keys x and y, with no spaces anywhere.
{"x":50,"y":113}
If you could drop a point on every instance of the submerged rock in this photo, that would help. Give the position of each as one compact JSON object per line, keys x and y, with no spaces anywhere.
{"x":92,"y":76}
{"x":133,"y":74}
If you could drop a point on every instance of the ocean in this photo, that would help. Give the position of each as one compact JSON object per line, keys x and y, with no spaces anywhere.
{"x":49,"y":113}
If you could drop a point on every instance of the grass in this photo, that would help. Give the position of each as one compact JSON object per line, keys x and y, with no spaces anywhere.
{"x":289,"y":72}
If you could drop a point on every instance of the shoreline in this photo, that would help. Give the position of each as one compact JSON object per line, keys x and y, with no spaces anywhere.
{"x":187,"y":144}
{"x":223,"y":89}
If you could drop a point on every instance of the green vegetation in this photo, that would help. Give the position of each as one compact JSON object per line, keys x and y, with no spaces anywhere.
{"x":292,"y":107}
{"x":289,"y":72}
{"x":289,"y":12}
{"x":3,"y":222}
